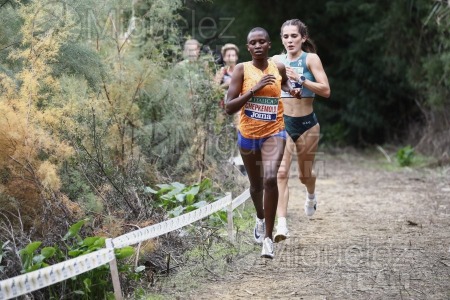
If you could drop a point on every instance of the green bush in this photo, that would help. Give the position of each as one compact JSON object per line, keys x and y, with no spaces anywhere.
{"x":177,"y":198}
{"x":405,"y":156}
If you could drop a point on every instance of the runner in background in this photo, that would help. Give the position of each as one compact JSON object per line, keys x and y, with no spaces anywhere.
{"x":305,"y":71}
{"x":230,"y":56}
{"x":191,"y":50}
{"x":254,"y":92}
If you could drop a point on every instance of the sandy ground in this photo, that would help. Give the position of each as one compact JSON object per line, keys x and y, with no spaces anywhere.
{"x":377,"y":234}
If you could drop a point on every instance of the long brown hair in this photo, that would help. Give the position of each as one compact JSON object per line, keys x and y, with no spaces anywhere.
{"x":308,"y":45}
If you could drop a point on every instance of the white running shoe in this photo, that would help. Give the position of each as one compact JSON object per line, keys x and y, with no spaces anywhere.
{"x":310,"y":206}
{"x":267,"y":248}
{"x":282,"y":234}
{"x":259,"y":231}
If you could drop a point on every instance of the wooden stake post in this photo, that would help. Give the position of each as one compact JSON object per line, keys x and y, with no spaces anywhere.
{"x":114,"y":272}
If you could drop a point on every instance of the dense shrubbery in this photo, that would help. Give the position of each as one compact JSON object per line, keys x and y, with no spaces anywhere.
{"x":94,"y":108}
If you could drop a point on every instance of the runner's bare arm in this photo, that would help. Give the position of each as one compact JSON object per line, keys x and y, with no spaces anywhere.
{"x":321,"y":86}
{"x":234,"y":101}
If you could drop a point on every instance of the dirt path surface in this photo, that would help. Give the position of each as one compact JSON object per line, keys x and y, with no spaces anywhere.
{"x":377,"y":234}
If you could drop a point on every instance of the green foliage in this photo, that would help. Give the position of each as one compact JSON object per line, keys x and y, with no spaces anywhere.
{"x":81,"y":61}
{"x":177,"y":198}
{"x":434,"y":75}
{"x":9,"y":36}
{"x":219,"y":218}
{"x":79,"y":104}
{"x":405,"y":156}
{"x":30,"y":261}
{"x":334,"y":134}
{"x":182,"y":148}
{"x":74,"y":230}
{"x":95,"y":284}
{"x":76,"y":187}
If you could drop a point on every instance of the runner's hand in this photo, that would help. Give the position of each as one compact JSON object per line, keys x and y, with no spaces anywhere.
{"x":267,"y":79}
{"x":297,"y":93}
{"x":291,"y":74}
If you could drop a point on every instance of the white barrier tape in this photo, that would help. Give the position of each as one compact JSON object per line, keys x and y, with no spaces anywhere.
{"x":152,"y":231}
{"x":240,"y":199}
{"x":29,"y":282}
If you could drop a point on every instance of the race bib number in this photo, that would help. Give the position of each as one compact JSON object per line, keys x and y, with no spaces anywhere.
{"x":262,"y":108}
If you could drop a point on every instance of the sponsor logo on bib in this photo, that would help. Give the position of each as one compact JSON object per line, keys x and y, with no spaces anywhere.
{"x":262,"y":108}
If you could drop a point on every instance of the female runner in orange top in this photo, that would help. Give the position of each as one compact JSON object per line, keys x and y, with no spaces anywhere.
{"x":255,"y":91}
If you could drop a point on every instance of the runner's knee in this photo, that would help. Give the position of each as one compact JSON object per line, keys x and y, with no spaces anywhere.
{"x":270,"y":182}
{"x":282,"y":174}
{"x":307,"y":179}
{"x":256,"y":189}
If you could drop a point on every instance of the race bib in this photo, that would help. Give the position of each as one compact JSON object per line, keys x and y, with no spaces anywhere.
{"x":262,"y":108}
{"x":298,"y":70}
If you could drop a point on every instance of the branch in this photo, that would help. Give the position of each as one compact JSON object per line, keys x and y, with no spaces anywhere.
{"x":13,"y":44}
{"x":4,"y":3}
{"x":100,"y":165}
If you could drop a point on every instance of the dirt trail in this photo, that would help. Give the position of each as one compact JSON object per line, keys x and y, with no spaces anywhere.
{"x":377,"y":234}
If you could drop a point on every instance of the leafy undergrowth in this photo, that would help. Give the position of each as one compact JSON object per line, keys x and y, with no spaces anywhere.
{"x":95,"y":284}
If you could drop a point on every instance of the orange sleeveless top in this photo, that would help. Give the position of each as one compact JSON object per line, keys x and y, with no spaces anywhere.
{"x":262,"y":115}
